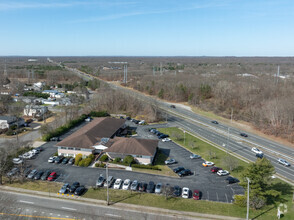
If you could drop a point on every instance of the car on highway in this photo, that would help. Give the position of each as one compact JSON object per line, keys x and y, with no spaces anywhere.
{"x":223,"y":172}
{"x":170,"y":161}
{"x":215,"y":169}
{"x":12,"y":172}
{"x":195,"y":156}
{"x":52,"y":176}
{"x":178,"y":169}
{"x":109,"y":181}
{"x":64,"y":188}
{"x":259,"y":156}
{"x":142,"y":187}
{"x":17,"y":160}
{"x":100,"y":181}
{"x":166,"y":139}
{"x":177,"y":191}
{"x":185,"y":172}
{"x":38,"y":175}
{"x":134,"y":185}
{"x":65,"y":160}
{"x":150,"y":187}
{"x":117,"y":184}
{"x":185,"y":193}
{"x":80,"y":190}
{"x":214,"y":122}
{"x":32,"y":174}
{"x":196,"y":194}
{"x":51,"y":159}
{"x":231,"y":180}
{"x":158,"y":188}
{"x":71,"y":161}
{"x":207,"y":164}
{"x":284,"y":162}
{"x":73,"y":187}
{"x":256,"y":150}
{"x":126,"y":184}
{"x":244,"y":134}
{"x":45,"y":175}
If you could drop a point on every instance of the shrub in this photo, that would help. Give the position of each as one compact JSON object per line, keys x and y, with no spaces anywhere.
{"x":56,"y":154}
{"x":78,"y":159}
{"x":87,"y":161}
{"x":91,"y":156}
{"x":240,"y":200}
{"x":98,"y":114}
{"x":117,"y":160}
{"x":81,"y":163}
{"x":99,"y":165}
{"x":142,"y":166}
{"x":129,"y":160}
{"x":103,"y":158}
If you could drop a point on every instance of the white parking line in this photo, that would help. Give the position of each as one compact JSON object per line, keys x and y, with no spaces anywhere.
{"x":207,"y":195}
{"x":112,"y":215}
{"x":217,"y":196}
{"x":28,"y":202}
{"x":68,"y":208}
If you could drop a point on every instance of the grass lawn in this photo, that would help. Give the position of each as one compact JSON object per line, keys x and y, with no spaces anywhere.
{"x":205,"y":150}
{"x":43,"y":186}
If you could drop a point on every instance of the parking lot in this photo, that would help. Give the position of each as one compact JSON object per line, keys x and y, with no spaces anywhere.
{"x":212,"y":186}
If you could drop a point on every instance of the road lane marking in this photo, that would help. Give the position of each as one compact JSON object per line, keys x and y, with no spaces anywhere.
{"x":68,"y":208}
{"x":112,"y":215}
{"x":34,"y":216}
{"x":28,"y":202}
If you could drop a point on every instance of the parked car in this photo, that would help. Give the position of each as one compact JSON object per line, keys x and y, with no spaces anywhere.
{"x":55,"y":139}
{"x":231,"y":180}
{"x":51,"y":159}
{"x":39,"y":148}
{"x":141,"y":122}
{"x":73,"y":187}
{"x":38,"y":175}
{"x":163,"y":136}
{"x":64,"y":188}
{"x":256,"y":150}
{"x":142,"y":187}
{"x":150,"y":187}
{"x":58,"y":159}
{"x":109,"y":181}
{"x":223,"y":172}
{"x":172,"y":106}
{"x":178,"y":169}
{"x":26,"y":172}
{"x":12,"y":172}
{"x":284,"y":162}
{"x":45,"y":175}
{"x":71,"y":161}
{"x":65,"y":160}
{"x":215,"y":169}
{"x":214,"y":122}
{"x":100,"y":181}
{"x":166,"y":140}
{"x":207,"y":164}
{"x":170,"y":161}
{"x":177,"y":191}
{"x":158,"y":188}
{"x":17,"y":160}
{"x":185,"y":172}
{"x":134,"y":185}
{"x":128,"y":118}
{"x":117,"y":184}
{"x":80,"y":190}
{"x":195,"y":156}
{"x":32,"y":174}
{"x":196,"y":194}
{"x":126,"y":184}
{"x":185,"y":193}
{"x":36,"y":151}
{"x":52,"y":176}
{"x":243,"y":134}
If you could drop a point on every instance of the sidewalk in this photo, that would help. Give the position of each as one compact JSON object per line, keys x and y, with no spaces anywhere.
{"x":123,"y":206}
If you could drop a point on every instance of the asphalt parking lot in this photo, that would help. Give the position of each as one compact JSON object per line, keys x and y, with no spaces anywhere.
{"x":212,"y":186}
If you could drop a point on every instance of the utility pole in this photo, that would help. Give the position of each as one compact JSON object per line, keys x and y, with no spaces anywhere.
{"x":125,"y":65}
{"x":248,"y":181}
{"x":107,"y":184}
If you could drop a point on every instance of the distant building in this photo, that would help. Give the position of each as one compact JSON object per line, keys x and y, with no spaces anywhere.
{"x":8,"y":121}
{"x":35,"y":110}
{"x":52,"y":93}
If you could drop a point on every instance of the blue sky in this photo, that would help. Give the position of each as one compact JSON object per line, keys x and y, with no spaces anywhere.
{"x":147,"y":27}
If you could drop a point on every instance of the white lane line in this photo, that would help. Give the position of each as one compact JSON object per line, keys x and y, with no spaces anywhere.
{"x":68,"y":208}
{"x":28,"y":202}
{"x":112,"y":215}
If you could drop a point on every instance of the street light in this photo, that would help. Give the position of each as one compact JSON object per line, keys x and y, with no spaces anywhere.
{"x":248,"y":181}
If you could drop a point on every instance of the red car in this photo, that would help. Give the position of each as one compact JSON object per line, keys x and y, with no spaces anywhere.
{"x":52,"y":176}
{"x":196,"y":195}
{"x":215,"y":169}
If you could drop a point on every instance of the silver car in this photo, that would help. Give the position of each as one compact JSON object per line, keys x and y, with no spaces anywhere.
{"x":100,"y":181}
{"x":195,"y":156}
{"x":32,"y":174}
{"x":134,"y":185}
{"x":64,"y":188}
{"x":284,"y":162}
{"x":158,"y":188}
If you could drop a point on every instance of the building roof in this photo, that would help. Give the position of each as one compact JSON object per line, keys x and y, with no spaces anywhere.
{"x":133,"y":146}
{"x":91,"y":134}
{"x":9,"y":119}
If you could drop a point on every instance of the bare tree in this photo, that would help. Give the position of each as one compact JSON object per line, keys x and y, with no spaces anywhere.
{"x":231,"y":162}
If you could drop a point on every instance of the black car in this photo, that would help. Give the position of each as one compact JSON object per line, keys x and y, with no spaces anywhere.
{"x":80,"y":190}
{"x":163,"y":136}
{"x":26,"y":172}
{"x":39,"y":148}
{"x":71,"y":161}
{"x":172,"y":106}
{"x":46,"y":174}
{"x":159,"y":133}
{"x":65,"y":160}
{"x":231,"y":180}
{"x":185,"y":172}
{"x":150,"y":187}
{"x":177,"y":191}
{"x":214,"y":122}
{"x":178,"y":169}
{"x":74,"y":186}
{"x":55,"y":139}
{"x":58,"y":159}
{"x":243,"y":135}
{"x":259,"y":156}
{"x":38,"y":175}
{"x":128,"y":118}
{"x":142,"y":187}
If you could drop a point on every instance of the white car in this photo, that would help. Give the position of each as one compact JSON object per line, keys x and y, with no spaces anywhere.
{"x":127,"y":184}
{"x":117,"y":184}
{"x":17,"y":160}
{"x":170,"y":161}
{"x":207,"y":164}
{"x":284,"y":162}
{"x":256,"y":150}
{"x":185,"y":193}
{"x":51,"y":159}
{"x":195,"y":156}
{"x":223,"y":172}
{"x":166,"y":140}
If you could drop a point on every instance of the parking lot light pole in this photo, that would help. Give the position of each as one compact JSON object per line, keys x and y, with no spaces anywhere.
{"x":107,"y":198}
{"x":248,"y":181}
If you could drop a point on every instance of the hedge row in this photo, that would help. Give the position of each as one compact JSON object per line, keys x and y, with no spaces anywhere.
{"x":142,"y":166}
{"x":99,"y":114}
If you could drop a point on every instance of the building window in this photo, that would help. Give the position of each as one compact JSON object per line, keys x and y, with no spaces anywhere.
{"x":139,"y":156}
{"x":70,"y":148}
{"x":78,"y":149}
{"x":63,"y":147}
